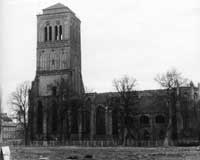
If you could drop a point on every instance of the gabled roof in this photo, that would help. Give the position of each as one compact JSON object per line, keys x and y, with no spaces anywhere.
{"x":56,"y":6}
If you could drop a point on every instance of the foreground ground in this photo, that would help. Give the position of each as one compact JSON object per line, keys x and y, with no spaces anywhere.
{"x":108,"y":153}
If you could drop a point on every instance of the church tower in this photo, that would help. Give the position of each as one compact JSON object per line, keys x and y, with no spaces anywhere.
{"x":58,"y":59}
{"x":58,"y":48}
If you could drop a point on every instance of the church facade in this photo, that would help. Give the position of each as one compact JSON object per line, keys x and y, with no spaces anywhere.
{"x":92,"y":116}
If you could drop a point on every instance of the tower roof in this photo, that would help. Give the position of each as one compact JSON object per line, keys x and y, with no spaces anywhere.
{"x":57,"y":8}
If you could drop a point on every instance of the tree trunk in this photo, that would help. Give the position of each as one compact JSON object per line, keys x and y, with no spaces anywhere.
{"x":25,"y":129}
{"x":26,"y":136}
{"x":171,"y":133}
{"x":167,"y":140}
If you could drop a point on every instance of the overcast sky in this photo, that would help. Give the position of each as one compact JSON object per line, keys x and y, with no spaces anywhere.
{"x":139,"y":38}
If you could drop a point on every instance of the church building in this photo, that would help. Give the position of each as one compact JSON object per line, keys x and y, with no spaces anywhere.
{"x":60,"y":110}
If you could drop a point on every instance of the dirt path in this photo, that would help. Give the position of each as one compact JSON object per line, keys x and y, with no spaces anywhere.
{"x":108,"y":153}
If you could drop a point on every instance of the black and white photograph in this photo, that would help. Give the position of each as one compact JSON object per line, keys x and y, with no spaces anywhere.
{"x":99,"y":80}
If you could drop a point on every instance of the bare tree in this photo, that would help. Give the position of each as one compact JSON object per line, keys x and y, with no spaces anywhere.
{"x":171,"y":80}
{"x":19,"y":105}
{"x":125,"y":88}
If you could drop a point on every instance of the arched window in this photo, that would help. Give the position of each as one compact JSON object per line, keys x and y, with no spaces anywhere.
{"x":40,"y":118}
{"x":53,"y":62}
{"x":54,"y":91}
{"x":74,"y":120}
{"x":195,"y":96}
{"x":54,"y":117}
{"x":100,"y":121}
{"x":160,"y":119}
{"x":86,"y":117}
{"x":60,"y":33}
{"x":86,"y":121}
{"x":50,"y":33}
{"x":56,"y":32}
{"x":144,"y":120}
{"x":45,"y":33}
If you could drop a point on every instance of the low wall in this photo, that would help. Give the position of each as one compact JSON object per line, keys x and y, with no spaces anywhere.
{"x":102,"y":143}
{"x":108,"y":143}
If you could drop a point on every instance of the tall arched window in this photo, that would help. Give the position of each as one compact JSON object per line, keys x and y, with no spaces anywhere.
{"x":50,"y":33}
{"x":54,"y":91}
{"x":60,"y":33}
{"x":56,"y":32}
{"x":40,"y":118}
{"x":54,"y":117}
{"x":100,"y":121}
{"x":86,"y":122}
{"x":86,"y":117}
{"x":45,"y":33}
{"x":74,"y":120}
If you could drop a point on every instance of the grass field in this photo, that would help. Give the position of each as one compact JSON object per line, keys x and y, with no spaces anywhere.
{"x":108,"y":153}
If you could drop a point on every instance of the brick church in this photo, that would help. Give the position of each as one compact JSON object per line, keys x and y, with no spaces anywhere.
{"x":60,"y":110}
